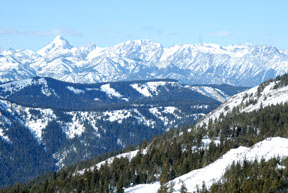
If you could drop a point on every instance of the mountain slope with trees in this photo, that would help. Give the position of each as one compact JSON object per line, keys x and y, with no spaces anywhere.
{"x":43,"y":120}
{"x":178,"y":152}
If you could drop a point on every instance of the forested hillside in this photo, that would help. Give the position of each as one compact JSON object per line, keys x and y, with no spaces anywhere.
{"x":184,"y":150}
{"x":56,"y":123}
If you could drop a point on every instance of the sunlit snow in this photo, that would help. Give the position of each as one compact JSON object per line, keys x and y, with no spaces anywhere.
{"x":266,"y":149}
{"x":75,"y":90}
{"x":111,"y":92}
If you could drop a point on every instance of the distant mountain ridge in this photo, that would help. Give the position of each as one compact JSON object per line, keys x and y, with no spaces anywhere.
{"x":51,"y":93}
{"x":245,"y":65}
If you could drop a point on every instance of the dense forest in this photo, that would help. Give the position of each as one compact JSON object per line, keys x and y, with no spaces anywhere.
{"x":264,"y":176}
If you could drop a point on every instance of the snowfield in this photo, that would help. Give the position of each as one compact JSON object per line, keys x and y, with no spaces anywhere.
{"x":210,"y":92}
{"x":111,"y":92}
{"x":75,"y":90}
{"x":150,"y":89}
{"x":266,"y":149}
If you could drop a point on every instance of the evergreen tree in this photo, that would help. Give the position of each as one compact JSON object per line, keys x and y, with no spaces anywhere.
{"x":120,"y":186}
{"x":183,"y":188}
{"x":163,"y":189}
{"x":171,"y":187}
{"x":164,"y":173}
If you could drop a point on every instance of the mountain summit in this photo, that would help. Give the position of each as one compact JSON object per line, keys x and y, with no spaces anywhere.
{"x":59,"y":43}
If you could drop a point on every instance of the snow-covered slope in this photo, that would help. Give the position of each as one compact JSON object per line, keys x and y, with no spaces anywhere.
{"x":266,"y":149}
{"x":266,"y":94}
{"x":246,"y":64}
{"x":210,"y":92}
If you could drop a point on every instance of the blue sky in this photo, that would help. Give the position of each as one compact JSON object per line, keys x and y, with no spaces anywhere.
{"x":31,"y":24}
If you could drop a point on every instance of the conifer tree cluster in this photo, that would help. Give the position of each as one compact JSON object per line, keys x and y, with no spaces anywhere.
{"x":254,"y":177}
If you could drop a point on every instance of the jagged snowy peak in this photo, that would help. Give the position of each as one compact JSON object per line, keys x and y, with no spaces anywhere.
{"x":59,"y":43}
{"x":266,"y":149}
{"x":261,"y":96}
{"x":245,"y":64}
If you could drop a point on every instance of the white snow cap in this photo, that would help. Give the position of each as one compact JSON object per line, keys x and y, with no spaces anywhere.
{"x":58,"y":43}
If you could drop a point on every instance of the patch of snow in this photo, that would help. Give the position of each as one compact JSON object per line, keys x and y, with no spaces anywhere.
{"x":149,"y":89}
{"x":210,"y":92}
{"x":74,"y":128}
{"x":154,"y":85}
{"x":61,"y":156}
{"x":169,"y":109}
{"x":125,"y":99}
{"x":97,"y":99}
{"x":142,"y":118}
{"x":161,"y":113}
{"x":120,"y":142}
{"x":15,"y":86}
{"x":45,"y":89}
{"x":111,"y":92}
{"x":143,"y":188}
{"x":206,"y":141}
{"x":37,"y":124}
{"x":92,"y":89}
{"x":3,"y":135}
{"x":117,"y":115}
{"x":75,"y":90}
{"x":199,"y":107}
{"x":142,"y":89}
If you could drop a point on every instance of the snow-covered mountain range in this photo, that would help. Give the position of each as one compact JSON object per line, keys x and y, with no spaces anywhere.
{"x":245,"y":65}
